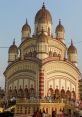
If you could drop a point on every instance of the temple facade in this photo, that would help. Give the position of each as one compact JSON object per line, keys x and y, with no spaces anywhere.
{"x":42,"y":66}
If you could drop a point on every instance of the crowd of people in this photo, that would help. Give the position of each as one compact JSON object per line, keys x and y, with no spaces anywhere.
{"x":8,"y":103}
{"x":39,"y":113}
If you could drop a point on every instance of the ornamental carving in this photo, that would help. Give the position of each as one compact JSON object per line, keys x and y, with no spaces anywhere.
{"x":62,"y":93}
{"x":57,"y":93}
{"x":26,"y":92}
{"x":20,"y":93}
{"x":50,"y":91}
{"x":68,"y":94}
{"x":32,"y":91}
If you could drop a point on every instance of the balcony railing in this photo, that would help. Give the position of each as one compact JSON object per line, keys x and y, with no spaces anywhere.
{"x":37,"y":101}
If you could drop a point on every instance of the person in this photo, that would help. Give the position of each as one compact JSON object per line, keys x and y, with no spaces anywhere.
{"x":44,"y":114}
{"x":40,"y":113}
{"x":62,"y":115}
{"x":34,"y":115}
{"x":53,"y":114}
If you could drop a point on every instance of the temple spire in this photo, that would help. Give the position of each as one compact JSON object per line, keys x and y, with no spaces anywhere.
{"x":59,"y":21}
{"x":14,"y":41}
{"x":71,"y":42}
{"x":26,"y":21}
{"x":43,"y":5}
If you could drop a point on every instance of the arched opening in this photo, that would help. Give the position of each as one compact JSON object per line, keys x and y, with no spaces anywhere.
{"x":57,"y":93}
{"x":20,"y":93}
{"x":26,"y":92}
{"x":50,"y":54}
{"x":59,"y":56}
{"x":25,"y":110}
{"x":34,"y":54}
{"x":73,"y":95}
{"x":32,"y":92}
{"x":50,"y":91}
{"x":15,"y":92}
{"x":54,"y":54}
{"x":62,"y":93}
{"x":30,"y":54}
{"x":26,"y":56}
{"x":68,"y":94}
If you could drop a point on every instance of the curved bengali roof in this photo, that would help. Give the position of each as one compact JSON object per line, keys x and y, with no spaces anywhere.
{"x":13,"y":48}
{"x":72,"y":48}
{"x":43,"y":15}
{"x":60,"y":27}
{"x":26,"y":27}
{"x":42,"y":37}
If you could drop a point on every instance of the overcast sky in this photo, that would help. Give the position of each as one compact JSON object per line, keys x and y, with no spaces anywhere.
{"x":13,"y":14}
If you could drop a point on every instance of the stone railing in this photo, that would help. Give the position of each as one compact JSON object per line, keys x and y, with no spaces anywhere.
{"x":45,"y":101}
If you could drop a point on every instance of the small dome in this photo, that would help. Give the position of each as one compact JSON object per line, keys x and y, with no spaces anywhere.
{"x":60,"y":27}
{"x":72,"y":48}
{"x":42,"y":37}
{"x":13,"y":48}
{"x":26,"y":27}
{"x":43,"y":16}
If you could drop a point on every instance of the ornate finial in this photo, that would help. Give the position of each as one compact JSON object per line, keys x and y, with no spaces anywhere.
{"x":26,"y":21}
{"x":50,"y":86}
{"x":71,"y":42}
{"x":43,"y":5}
{"x":14,"y":41}
{"x":57,"y":87}
{"x":59,"y":21}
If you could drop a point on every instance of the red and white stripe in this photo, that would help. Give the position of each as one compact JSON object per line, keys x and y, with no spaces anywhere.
{"x":41,"y":83}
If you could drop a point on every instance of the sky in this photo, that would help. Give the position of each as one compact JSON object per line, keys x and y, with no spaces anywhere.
{"x":13,"y":14}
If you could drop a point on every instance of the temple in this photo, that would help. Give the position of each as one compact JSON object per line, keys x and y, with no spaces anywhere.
{"x":42,"y":72}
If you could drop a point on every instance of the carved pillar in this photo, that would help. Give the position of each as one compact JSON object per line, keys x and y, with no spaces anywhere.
{"x":41,"y":83}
